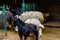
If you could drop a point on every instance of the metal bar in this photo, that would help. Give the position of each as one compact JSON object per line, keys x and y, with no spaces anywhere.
{"x":1,"y":6}
{"x":33,"y":7}
{"x":4,"y":19}
{"x":23,"y":7}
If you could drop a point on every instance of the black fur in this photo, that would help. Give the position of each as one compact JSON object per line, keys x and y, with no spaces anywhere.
{"x":25,"y":29}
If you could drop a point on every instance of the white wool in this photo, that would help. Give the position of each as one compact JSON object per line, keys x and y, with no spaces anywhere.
{"x":32,"y":14}
{"x":35,"y":22}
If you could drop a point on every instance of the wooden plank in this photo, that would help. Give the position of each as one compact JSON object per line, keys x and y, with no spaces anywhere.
{"x":53,"y":24}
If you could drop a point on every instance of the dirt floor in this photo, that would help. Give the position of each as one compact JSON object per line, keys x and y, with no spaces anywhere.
{"x":51,"y":33}
{"x":48,"y":34}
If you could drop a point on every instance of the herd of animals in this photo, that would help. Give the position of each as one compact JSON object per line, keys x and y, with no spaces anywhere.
{"x":26,"y":23}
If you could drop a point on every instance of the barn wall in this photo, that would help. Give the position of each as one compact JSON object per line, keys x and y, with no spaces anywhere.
{"x":54,"y":11}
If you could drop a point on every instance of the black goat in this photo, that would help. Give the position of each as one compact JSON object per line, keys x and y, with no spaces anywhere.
{"x":25,"y":29}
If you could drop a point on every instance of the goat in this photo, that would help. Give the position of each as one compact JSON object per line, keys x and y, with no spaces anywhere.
{"x":25,"y":29}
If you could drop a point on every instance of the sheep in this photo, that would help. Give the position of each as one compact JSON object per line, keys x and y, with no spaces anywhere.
{"x":38,"y":24}
{"x":25,"y":29}
{"x":32,"y":14}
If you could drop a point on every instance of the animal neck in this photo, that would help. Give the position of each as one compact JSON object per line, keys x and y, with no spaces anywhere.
{"x":19,"y":22}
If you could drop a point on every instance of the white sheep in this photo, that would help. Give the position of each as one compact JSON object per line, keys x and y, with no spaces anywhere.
{"x":32,"y":14}
{"x":38,"y":24}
